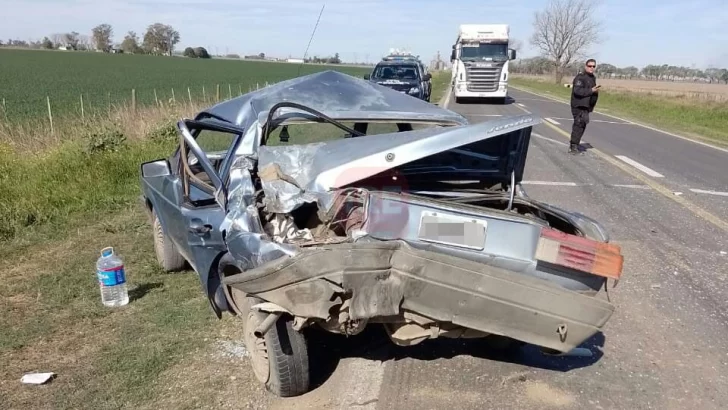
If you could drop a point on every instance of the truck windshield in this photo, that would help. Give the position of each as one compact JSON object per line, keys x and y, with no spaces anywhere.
{"x":396,"y":72}
{"x":475,"y":51}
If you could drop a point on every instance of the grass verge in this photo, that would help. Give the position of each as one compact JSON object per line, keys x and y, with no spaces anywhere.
{"x":62,"y":205}
{"x":440,"y":82}
{"x":702,"y":121}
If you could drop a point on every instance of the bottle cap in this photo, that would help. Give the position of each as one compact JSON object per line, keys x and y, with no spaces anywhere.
{"x":106,"y":252}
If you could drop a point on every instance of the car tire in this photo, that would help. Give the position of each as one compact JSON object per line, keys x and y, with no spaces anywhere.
{"x":280,"y":357}
{"x":167,"y":256}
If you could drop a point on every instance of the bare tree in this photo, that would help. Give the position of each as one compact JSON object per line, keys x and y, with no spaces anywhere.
{"x":515,"y":44}
{"x":102,"y":36}
{"x":564,"y":31}
{"x":58,"y":39}
{"x":84,"y":43}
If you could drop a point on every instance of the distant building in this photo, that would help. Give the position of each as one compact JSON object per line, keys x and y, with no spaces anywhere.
{"x":294,"y":60}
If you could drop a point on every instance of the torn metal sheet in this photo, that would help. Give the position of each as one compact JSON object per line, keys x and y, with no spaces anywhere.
{"x":292,"y":175}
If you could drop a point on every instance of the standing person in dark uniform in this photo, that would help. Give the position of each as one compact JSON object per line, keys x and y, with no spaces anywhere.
{"x":584,"y":95}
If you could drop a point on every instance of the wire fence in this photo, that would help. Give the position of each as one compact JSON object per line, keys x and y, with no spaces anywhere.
{"x":85,"y":106}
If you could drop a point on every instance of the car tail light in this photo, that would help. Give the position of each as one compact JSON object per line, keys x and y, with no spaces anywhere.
{"x":576,"y":252}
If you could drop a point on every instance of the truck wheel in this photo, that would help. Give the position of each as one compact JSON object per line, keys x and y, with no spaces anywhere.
{"x":167,"y":256}
{"x":280,"y":357}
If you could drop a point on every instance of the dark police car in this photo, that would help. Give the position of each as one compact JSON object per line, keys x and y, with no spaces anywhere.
{"x":403,"y":73}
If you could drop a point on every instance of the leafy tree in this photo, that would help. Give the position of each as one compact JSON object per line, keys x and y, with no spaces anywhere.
{"x":47,"y":43}
{"x":160,"y":39}
{"x":201,"y":52}
{"x":131,"y":44}
{"x":72,"y":39}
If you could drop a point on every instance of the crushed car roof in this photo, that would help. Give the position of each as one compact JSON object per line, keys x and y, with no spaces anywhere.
{"x":337,"y":95}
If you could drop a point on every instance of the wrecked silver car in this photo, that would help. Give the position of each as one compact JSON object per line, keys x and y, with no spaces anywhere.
{"x":332,"y":202}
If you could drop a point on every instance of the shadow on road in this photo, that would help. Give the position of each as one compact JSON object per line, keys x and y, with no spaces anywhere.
{"x":482,"y":101}
{"x":326,"y":350}
{"x":583,"y":147}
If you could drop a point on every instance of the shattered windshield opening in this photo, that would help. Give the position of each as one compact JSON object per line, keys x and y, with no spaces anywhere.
{"x":476,"y":51}
{"x":406,"y":72}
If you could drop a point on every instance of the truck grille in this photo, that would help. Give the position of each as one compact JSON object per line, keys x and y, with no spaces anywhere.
{"x":483,"y":79}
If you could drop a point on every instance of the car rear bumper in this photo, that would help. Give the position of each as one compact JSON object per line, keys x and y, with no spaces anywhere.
{"x":383,"y":279}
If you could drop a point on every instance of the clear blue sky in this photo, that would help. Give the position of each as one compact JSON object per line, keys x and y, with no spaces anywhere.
{"x":678,"y":32}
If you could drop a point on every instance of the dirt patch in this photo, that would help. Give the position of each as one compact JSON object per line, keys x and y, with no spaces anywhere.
{"x":542,"y":393}
{"x":217,"y":376}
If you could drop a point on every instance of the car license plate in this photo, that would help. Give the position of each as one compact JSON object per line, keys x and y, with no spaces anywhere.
{"x":452,"y":230}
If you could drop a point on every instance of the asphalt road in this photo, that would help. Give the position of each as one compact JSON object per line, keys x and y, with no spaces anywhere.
{"x":666,"y":346}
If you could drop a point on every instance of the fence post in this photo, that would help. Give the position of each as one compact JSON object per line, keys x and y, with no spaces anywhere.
{"x":174,"y":100}
{"x":133,"y":100}
{"x":240,"y":89}
{"x":204,"y":95}
{"x":156,"y":100}
{"x":189,"y":94}
{"x":50,"y":114}
{"x":230,"y":91}
{"x":108,"y":99}
{"x":82,"y":114}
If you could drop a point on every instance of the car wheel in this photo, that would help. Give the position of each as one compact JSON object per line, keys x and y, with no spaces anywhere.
{"x":280,"y":357}
{"x":167,"y":256}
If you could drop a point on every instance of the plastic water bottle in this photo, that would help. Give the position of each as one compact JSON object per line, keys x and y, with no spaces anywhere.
{"x":112,"y":279}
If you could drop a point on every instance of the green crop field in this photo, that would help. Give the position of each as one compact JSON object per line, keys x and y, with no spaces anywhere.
{"x":31,"y":77}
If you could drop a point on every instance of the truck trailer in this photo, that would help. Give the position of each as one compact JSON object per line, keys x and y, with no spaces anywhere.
{"x":480,"y":58}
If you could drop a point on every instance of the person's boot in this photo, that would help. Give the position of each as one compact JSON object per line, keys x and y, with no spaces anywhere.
{"x":573,"y":149}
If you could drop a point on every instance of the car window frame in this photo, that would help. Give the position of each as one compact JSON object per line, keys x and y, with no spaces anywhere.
{"x":218,"y":195}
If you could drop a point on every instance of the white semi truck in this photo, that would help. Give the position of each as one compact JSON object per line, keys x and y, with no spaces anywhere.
{"x":480,"y":58}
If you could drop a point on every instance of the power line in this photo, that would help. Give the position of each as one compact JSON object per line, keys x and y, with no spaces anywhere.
{"x":310,"y":39}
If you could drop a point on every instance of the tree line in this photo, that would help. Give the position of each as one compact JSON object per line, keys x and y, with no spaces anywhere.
{"x":664,"y":72}
{"x":158,"y":39}
{"x":566,"y":29}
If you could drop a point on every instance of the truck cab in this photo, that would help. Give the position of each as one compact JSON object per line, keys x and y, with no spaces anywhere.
{"x":405,"y":74}
{"x":480,"y":59}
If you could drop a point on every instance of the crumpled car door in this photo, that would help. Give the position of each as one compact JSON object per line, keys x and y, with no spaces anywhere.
{"x":204,"y":196}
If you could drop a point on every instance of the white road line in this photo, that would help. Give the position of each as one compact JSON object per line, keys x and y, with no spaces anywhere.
{"x":549,"y":139}
{"x":446,"y":101}
{"x":591,"y":120}
{"x":552,"y":121}
{"x":703,"y":191}
{"x":521,"y":107}
{"x":649,"y":171}
{"x":632,"y":186}
{"x":482,"y":115}
{"x":552,"y":183}
{"x":631,"y":122}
